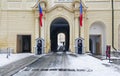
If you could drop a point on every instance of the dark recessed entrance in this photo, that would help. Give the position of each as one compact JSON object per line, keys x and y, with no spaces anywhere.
{"x":95,"y":44}
{"x":23,"y":43}
{"x":59,"y":25}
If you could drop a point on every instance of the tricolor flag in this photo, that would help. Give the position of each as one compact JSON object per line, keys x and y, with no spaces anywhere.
{"x":81,"y":14}
{"x":40,"y":15}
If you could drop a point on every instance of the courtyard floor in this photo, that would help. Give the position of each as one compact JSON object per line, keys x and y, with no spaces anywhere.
{"x":69,"y":64}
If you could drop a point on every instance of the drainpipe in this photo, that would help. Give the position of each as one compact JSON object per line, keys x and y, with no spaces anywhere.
{"x":113,"y":25}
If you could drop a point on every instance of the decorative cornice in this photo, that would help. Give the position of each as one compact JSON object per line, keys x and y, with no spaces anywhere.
{"x":72,"y":9}
{"x":40,"y":1}
{"x":76,"y":1}
{"x":59,"y":6}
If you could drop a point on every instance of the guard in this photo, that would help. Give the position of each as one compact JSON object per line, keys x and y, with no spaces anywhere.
{"x":79,"y":46}
{"x":39,"y":47}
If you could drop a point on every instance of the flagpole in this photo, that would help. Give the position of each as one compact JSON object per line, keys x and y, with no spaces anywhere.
{"x":40,"y":20}
{"x":79,"y":30}
{"x":79,"y":25}
{"x":39,"y":31}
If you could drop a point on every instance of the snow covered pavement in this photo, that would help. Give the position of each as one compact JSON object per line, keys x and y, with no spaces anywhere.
{"x":68,"y":64}
{"x":12,"y":58}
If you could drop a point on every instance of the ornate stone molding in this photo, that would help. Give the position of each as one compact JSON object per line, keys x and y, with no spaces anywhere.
{"x":76,"y":1}
{"x":59,"y":7}
{"x":42,"y":2}
{"x":76,"y":4}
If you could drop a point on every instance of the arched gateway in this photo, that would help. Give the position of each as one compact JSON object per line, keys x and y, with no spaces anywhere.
{"x":59,"y":25}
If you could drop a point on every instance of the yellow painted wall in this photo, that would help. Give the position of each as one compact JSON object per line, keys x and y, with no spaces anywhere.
{"x":15,"y":23}
{"x":19,"y":18}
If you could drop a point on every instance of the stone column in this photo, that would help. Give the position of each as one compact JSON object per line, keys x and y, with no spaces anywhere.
{"x":36,"y":30}
{"x":76,"y":6}
{"x":36,"y":27}
{"x":77,"y":27}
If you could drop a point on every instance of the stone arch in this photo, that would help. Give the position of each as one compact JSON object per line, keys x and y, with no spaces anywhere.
{"x":97,"y":37}
{"x":58,"y":16}
{"x":50,"y":19}
{"x":59,"y":25}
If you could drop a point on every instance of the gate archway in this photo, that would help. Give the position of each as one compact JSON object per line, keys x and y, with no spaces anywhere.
{"x":59,"y":25}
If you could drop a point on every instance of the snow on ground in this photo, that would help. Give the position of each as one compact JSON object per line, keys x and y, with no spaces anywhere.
{"x":84,"y":65}
{"x":13,"y":57}
{"x":96,"y":66}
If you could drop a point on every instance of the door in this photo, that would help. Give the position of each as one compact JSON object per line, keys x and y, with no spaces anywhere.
{"x":26,"y":43}
{"x":23,"y":43}
{"x":95,"y":44}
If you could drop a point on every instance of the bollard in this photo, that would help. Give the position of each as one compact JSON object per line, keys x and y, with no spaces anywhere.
{"x":8,"y":52}
{"x":8,"y":49}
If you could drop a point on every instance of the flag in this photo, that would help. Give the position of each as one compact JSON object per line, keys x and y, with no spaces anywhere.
{"x":81,"y":14}
{"x":40,"y":15}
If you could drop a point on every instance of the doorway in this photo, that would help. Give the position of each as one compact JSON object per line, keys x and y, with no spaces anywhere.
{"x":95,"y":44}
{"x":61,"y":41}
{"x":58,"y":26}
{"x":23,"y":43}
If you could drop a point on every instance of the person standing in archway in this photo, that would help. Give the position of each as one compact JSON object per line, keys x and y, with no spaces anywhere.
{"x":79,"y":46}
{"x":64,"y":47}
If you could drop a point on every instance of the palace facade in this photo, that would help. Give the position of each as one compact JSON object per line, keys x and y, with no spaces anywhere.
{"x":19,"y":24}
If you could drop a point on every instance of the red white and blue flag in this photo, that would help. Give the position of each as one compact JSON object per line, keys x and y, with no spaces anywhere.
{"x":40,"y":15}
{"x":81,"y":14}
